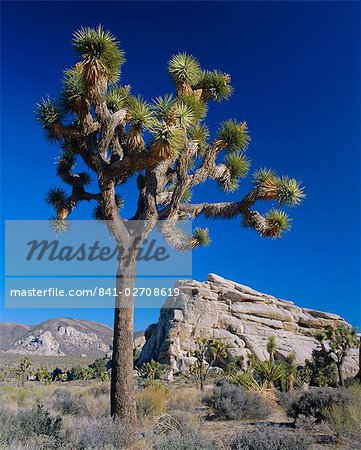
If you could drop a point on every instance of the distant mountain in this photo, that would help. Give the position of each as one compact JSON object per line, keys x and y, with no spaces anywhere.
{"x":56,"y":337}
{"x":10,"y":332}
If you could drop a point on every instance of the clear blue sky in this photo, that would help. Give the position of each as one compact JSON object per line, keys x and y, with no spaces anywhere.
{"x":295,"y":68}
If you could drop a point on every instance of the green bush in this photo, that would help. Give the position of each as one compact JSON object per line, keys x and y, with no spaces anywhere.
{"x":232,"y":402}
{"x":75,"y":373}
{"x":99,"y":367}
{"x":271,"y":438}
{"x":315,"y":401}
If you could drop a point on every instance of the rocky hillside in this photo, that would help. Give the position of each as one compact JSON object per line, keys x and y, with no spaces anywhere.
{"x":57,"y":337}
{"x":11,"y":332}
{"x":241,"y":317}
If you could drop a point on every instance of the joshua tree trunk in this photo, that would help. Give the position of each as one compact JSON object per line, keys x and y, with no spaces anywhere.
{"x":123,"y":404}
{"x":358,"y":376}
{"x":340,"y":373}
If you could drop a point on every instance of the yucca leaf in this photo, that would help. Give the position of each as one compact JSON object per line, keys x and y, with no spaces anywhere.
{"x":291,"y":192}
{"x":73,"y":88}
{"x":228,"y":184}
{"x":264,"y":175}
{"x":167,"y":140}
{"x":97,"y":213}
{"x":279,"y":220}
{"x":100,"y":52}
{"x":238,"y":165}
{"x":163,"y":107}
{"x":59,"y":226}
{"x":198,"y":107}
{"x":48,"y":112}
{"x":200,"y":135}
{"x":139,"y":113}
{"x":215,"y":85}
{"x":119,"y":201}
{"x":184,"y":68}
{"x":118,"y":98}
{"x":184,"y":115}
{"x":201,"y":236}
{"x":85,"y":178}
{"x":233,"y":135}
{"x":187,"y":196}
{"x":55,"y":196}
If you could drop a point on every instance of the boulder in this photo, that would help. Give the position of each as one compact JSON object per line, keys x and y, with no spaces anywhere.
{"x":241,"y":317}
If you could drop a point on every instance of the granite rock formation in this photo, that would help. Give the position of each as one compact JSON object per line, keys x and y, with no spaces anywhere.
{"x":242,"y":317}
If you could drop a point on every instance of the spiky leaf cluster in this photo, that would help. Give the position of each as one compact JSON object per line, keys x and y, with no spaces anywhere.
{"x":233,"y":135}
{"x":100,"y":52}
{"x":59,"y":226}
{"x":279,"y":221}
{"x":264,"y":175}
{"x":184,"y":68}
{"x":228,"y":184}
{"x":167,"y":140}
{"x":85,"y":178}
{"x":66,"y":161}
{"x":198,"y":107}
{"x":119,"y":201}
{"x":200,"y":135}
{"x":55,"y":196}
{"x":238,"y":165}
{"x":187,"y":196}
{"x":163,"y":107}
{"x":48,"y":112}
{"x":139,"y":113}
{"x":201,"y":236}
{"x":185,"y":116}
{"x":291,"y":191}
{"x":118,"y":98}
{"x":215,"y":85}
{"x":73,"y":89}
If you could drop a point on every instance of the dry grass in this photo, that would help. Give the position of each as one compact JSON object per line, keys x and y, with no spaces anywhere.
{"x":162,"y":410}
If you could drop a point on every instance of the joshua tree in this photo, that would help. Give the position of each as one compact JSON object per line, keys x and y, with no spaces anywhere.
{"x":99,"y":121}
{"x":291,"y":371}
{"x":208,"y":352}
{"x":271,"y":347}
{"x":24,"y":370}
{"x":337,"y":342}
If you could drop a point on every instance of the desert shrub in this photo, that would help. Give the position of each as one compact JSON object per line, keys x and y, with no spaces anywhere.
{"x":271,"y":438}
{"x":100,"y":434}
{"x":24,"y":425}
{"x":186,"y":440}
{"x":66,"y":402}
{"x":99,"y":390}
{"x":152,"y":401}
{"x":183,"y":399}
{"x":177,"y":420}
{"x":232,"y":402}
{"x":314,"y":402}
{"x":352,"y":381}
{"x":344,"y":420}
{"x":285,"y":399}
{"x":75,"y":373}
{"x":99,"y":366}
